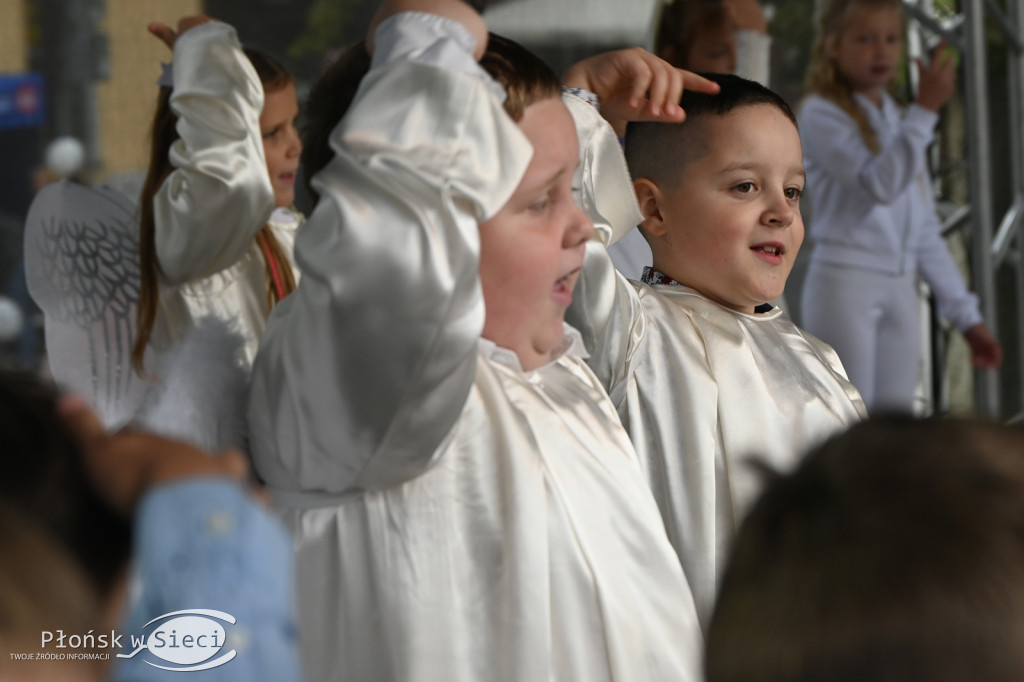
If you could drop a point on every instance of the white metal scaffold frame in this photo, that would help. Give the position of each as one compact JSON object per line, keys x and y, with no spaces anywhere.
{"x":995,"y":245}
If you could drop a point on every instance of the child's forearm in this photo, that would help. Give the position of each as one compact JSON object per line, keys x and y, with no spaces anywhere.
{"x":605,"y":307}
{"x":456,"y":10}
{"x":384,"y":329}
{"x":219,"y":195}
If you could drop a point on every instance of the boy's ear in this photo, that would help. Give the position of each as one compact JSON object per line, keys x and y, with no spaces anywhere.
{"x":648,"y":196}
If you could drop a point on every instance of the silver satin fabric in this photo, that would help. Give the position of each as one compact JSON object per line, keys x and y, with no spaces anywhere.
{"x":236,"y":294}
{"x":209,"y":209}
{"x":703,"y":392}
{"x":455,"y":518}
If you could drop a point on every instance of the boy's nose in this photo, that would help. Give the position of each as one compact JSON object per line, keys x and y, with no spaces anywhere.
{"x":294,"y":143}
{"x":580,"y":228}
{"x":780,"y":213}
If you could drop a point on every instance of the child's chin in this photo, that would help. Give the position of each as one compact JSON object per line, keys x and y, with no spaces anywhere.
{"x":552,"y":338}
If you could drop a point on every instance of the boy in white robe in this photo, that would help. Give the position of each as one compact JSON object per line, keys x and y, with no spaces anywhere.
{"x":465,"y":502}
{"x":704,"y":382}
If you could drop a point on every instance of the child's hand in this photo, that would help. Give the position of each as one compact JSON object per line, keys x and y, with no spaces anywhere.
{"x":986,"y":353}
{"x":168,"y":35}
{"x":124,"y":465}
{"x":458,"y":10}
{"x":937,"y":80}
{"x":635,"y":85}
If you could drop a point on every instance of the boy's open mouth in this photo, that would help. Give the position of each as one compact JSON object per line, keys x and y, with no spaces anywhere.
{"x":773,"y":249}
{"x":562,"y":291}
{"x":566,"y":279}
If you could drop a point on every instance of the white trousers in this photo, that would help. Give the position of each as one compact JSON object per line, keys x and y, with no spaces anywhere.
{"x":872,"y":320}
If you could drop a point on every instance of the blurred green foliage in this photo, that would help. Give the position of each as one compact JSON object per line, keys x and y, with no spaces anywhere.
{"x":326,"y":21}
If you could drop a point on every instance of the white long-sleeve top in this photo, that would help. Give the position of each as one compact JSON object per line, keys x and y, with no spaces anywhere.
{"x":456,"y":518}
{"x":209,"y":209}
{"x":876,"y":211}
{"x":704,"y":391}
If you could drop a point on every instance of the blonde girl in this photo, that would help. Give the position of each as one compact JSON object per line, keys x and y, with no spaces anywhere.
{"x":224,"y":156}
{"x":874,"y":225}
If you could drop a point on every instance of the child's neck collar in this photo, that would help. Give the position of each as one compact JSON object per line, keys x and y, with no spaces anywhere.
{"x":875,"y":95}
{"x":654,"y":277}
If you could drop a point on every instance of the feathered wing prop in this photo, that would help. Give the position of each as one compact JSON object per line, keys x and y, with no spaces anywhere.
{"x":82,"y":268}
{"x":201,"y":395}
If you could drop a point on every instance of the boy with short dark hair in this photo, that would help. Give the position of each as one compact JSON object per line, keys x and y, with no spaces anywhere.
{"x":702,"y":374}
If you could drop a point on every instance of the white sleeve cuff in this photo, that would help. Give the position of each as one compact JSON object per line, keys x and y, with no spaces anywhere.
{"x":429,"y":39}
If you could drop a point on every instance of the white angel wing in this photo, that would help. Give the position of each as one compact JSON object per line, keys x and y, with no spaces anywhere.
{"x":82,"y":268}
{"x":202,"y":394}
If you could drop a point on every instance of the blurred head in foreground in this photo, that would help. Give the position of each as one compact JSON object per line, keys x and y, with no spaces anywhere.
{"x":894,"y":552}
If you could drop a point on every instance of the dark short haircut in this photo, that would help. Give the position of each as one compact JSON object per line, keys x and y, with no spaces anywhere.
{"x":661,"y":151}
{"x":42,"y":476}
{"x":893,"y":552}
{"x":525,"y":77}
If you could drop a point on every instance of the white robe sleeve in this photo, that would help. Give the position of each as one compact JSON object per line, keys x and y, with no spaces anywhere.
{"x":364,"y":369}
{"x":605,"y":307}
{"x":937,"y":268}
{"x":210,"y":208}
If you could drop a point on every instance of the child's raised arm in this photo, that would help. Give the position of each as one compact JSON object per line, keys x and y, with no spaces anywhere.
{"x":456,"y":10}
{"x":635,"y":85}
{"x":365,"y":368}
{"x":219,"y":195}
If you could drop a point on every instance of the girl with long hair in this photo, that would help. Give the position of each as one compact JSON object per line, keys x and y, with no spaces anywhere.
{"x":217,"y":226}
{"x":874,"y":227}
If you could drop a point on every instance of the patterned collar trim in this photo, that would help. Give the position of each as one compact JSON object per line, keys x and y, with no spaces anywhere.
{"x":653,"y":277}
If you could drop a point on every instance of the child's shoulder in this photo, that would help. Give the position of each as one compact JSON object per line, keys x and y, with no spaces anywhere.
{"x":680,"y":311}
{"x":815,"y":104}
{"x":672,"y":300}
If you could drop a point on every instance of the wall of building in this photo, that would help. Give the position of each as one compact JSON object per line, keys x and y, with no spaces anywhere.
{"x":126,"y":101}
{"x":13,"y":36}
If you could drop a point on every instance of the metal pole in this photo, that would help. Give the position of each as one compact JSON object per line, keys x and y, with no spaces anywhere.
{"x":986,"y":387}
{"x":1015,"y":11}
{"x":69,"y":56}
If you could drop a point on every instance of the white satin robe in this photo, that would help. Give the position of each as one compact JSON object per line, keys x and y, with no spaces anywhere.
{"x":456,"y":519}
{"x":209,"y":209}
{"x":703,"y":390}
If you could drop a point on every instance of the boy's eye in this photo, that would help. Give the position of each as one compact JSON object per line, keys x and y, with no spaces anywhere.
{"x":541,"y":205}
{"x":794,"y":193}
{"x":744,"y":187}
{"x":270,"y":134}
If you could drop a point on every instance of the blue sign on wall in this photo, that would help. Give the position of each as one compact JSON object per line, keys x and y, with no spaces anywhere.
{"x":21,"y":100}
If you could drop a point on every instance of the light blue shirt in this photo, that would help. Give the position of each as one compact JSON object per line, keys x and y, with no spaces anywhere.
{"x":204,"y":544}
